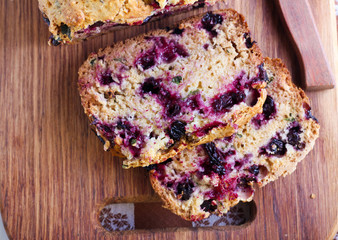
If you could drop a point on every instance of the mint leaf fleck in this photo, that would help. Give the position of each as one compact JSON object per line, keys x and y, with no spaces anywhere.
{"x":133,"y":141}
{"x":270,"y":80}
{"x":193,"y":92}
{"x":177,"y":79}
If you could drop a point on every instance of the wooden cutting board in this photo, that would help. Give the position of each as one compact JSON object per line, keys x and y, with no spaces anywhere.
{"x":53,"y":170}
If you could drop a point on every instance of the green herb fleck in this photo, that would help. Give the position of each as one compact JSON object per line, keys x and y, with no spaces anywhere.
{"x":92,"y":61}
{"x":125,"y":166}
{"x":193,"y":92}
{"x":66,"y":30}
{"x":228,"y":51}
{"x":121,"y":60}
{"x":133,"y":141}
{"x":270,"y":80}
{"x":177,"y":79}
{"x":225,"y":147}
{"x":239,"y":135}
{"x":290,"y":118}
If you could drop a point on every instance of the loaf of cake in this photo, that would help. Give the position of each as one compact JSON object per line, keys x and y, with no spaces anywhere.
{"x":152,"y":96}
{"x":71,"y":21}
{"x":213,"y":177}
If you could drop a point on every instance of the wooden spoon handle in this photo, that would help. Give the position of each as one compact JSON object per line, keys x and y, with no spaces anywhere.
{"x":300,"y":22}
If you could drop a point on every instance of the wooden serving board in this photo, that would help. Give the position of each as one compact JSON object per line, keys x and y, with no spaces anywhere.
{"x":54,"y":172}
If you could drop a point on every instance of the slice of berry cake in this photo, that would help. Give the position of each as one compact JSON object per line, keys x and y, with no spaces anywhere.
{"x":154,"y":95}
{"x":213,"y":177}
{"x":72,"y":21}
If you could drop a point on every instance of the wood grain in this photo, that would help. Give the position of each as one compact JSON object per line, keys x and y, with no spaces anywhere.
{"x":299,"y":20}
{"x":54,"y":173}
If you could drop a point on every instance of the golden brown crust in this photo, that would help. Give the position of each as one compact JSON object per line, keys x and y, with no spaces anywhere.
{"x":312,"y":126}
{"x":79,"y":15}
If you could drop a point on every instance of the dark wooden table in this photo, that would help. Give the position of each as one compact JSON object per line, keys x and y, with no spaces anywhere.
{"x":54,"y":173}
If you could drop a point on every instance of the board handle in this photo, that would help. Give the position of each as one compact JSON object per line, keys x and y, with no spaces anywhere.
{"x":300,"y":22}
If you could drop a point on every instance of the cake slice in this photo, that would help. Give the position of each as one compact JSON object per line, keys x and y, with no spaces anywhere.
{"x":213,"y":177}
{"x":73,"y":21}
{"x":152,"y":96}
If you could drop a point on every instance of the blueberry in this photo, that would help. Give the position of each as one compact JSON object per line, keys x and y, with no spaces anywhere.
{"x":269,"y":108}
{"x":262,"y":76}
{"x":269,"y":111}
{"x":294,"y":138}
{"x":207,"y":206}
{"x":151,"y":85}
{"x":276,"y":147}
{"x":177,"y":31}
{"x":65,"y":30}
{"x":216,"y":160}
{"x":243,"y":182}
{"x":308,"y":113}
{"x":151,"y":167}
{"x":54,"y":41}
{"x":106,"y":78}
{"x":120,"y":125}
{"x":177,"y":130}
{"x":248,"y":42}
{"x":254,"y":169}
{"x":213,"y":153}
{"x":172,"y":109}
{"x":185,"y":189}
{"x":209,"y":20}
{"x":45,"y":19}
{"x":147,"y":60}
{"x":227,"y":100}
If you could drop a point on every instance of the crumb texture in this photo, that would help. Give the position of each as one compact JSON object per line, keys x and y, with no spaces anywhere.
{"x":71,"y":20}
{"x":215,"y":176}
{"x":152,"y":96}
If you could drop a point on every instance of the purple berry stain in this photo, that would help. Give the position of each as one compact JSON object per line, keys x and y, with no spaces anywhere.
{"x":130,"y":135}
{"x":106,"y":78}
{"x":164,"y":50}
{"x":208,"y":127}
{"x":171,"y":103}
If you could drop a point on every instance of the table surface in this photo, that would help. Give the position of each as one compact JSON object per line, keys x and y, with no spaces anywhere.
{"x":282,"y":183}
